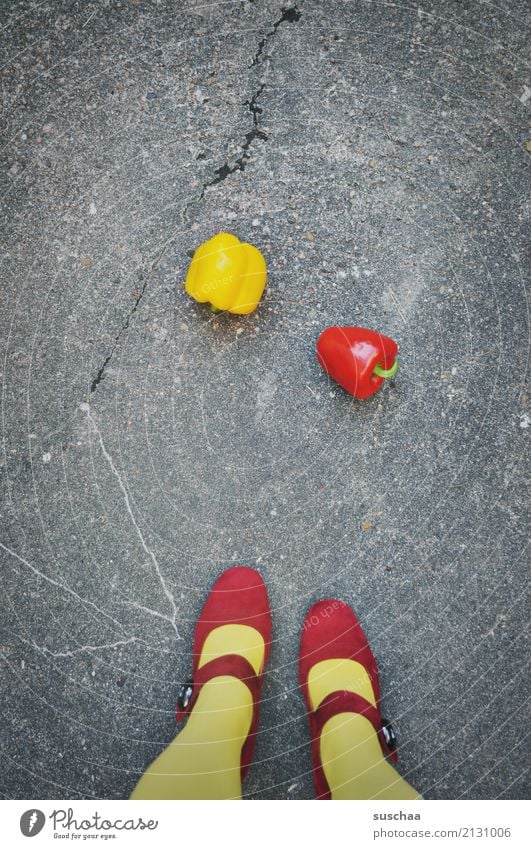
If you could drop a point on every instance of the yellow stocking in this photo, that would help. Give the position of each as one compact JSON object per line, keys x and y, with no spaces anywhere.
{"x":203,"y":761}
{"x":352,"y":758}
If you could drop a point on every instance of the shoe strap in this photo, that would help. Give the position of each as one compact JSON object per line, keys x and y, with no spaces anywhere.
{"x":234,"y":665}
{"x":346,"y":701}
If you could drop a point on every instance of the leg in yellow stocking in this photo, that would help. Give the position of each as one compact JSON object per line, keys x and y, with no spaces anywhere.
{"x":203,"y":761}
{"x":351,"y":754}
{"x":354,"y":764}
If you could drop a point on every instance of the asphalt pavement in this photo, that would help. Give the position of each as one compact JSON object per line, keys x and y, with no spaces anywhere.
{"x":378,"y":155}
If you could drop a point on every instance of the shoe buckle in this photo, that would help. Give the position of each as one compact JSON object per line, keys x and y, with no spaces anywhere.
{"x":184,"y":696}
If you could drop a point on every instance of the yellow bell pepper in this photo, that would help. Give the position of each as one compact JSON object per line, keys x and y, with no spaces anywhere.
{"x":229,"y":274}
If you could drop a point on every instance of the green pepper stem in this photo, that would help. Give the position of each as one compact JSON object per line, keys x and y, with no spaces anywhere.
{"x":213,"y":308}
{"x":386,"y":373}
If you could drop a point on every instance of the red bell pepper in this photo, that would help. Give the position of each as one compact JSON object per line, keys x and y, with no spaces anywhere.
{"x":358,"y":359}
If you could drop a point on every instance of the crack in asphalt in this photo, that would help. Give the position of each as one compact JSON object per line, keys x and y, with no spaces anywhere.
{"x":289,"y":15}
{"x":240,"y":164}
{"x":101,"y":371}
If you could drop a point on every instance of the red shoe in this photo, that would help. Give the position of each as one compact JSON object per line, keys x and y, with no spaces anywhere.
{"x":239,"y":597}
{"x":331,"y":631}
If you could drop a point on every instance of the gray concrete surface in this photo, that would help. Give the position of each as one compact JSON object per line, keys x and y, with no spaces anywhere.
{"x":376,"y":153}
